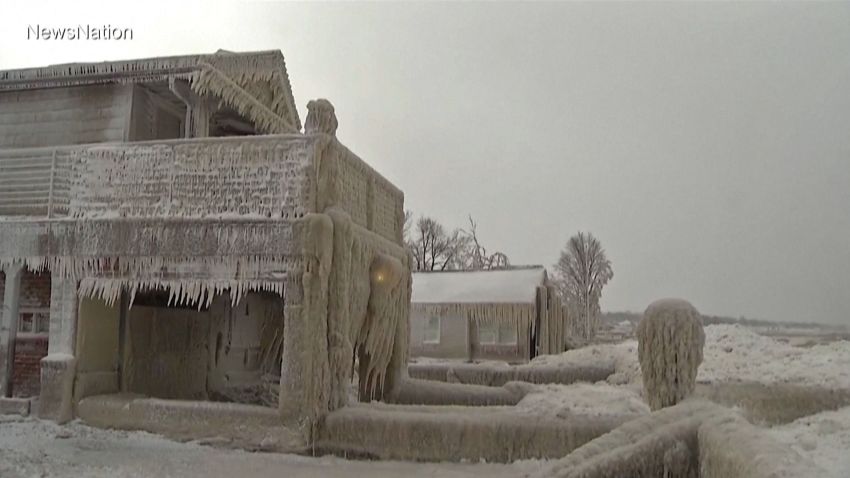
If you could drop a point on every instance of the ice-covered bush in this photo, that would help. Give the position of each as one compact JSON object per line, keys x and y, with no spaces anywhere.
{"x":670,"y":342}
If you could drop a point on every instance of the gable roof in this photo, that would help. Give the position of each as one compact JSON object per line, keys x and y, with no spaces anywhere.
{"x":255,"y":83}
{"x":517,"y":285}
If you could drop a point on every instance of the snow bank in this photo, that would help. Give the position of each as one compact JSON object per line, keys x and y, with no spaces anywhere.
{"x":566,"y":401}
{"x":34,"y":448}
{"x":428,"y":392}
{"x":250,"y":427}
{"x":447,"y":433}
{"x":31,"y":447}
{"x":694,"y":438}
{"x":731,"y":447}
{"x":498,"y":375}
{"x":732,"y":353}
{"x":823,"y":438}
{"x":660,"y":444}
{"x":621,"y":358}
{"x":736,"y":353}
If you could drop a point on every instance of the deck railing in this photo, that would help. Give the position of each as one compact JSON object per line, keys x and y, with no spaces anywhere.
{"x":268,"y":176}
{"x":35,"y":181}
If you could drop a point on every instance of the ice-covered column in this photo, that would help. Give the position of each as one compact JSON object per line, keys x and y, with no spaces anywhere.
{"x":9,"y":326}
{"x":305,"y":375}
{"x":59,"y":366}
{"x":340,"y":326}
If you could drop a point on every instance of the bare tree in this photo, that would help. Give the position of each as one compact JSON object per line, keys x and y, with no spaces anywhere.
{"x":432,"y":248}
{"x":435,"y":249}
{"x":581,"y":273}
{"x":477,"y":257}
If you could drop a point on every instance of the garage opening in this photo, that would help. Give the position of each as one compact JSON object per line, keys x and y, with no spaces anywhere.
{"x":218,"y":352}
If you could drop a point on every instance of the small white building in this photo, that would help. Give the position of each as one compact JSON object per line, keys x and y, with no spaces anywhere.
{"x":507,"y":314}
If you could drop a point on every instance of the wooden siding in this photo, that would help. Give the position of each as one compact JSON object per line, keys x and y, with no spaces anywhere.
{"x":64,"y":116}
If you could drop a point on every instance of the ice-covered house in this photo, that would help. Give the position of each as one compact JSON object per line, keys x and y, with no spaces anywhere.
{"x":507,"y":314}
{"x":168,"y":230}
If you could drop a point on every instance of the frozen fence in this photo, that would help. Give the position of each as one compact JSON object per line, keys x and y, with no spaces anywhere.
{"x":270,"y":176}
{"x":267,"y":176}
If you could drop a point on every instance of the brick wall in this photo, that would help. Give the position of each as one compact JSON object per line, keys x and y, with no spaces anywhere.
{"x":29,"y":349}
{"x":26,"y":374}
{"x":35,"y":290}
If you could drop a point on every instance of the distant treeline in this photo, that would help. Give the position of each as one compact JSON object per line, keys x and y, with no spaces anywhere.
{"x":634,"y":317}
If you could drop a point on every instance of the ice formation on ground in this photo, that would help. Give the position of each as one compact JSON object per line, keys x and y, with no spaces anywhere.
{"x":661,"y":444}
{"x":691,"y":439}
{"x":455,"y":433}
{"x":772,"y":381}
{"x":823,"y":437}
{"x":429,"y":392}
{"x":670,"y":342}
{"x":736,"y":353}
{"x":30,"y":448}
{"x":622,"y":358}
{"x":498,"y":375}
{"x":731,"y":447}
{"x":564,"y":401}
{"x":732,"y":353}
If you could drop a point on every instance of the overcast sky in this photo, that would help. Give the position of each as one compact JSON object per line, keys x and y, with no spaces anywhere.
{"x":706,"y":145}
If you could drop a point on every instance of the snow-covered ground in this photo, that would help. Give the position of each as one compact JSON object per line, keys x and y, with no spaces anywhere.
{"x":733,"y":353}
{"x":586,"y":399}
{"x":824,"y":437}
{"x":30,"y":448}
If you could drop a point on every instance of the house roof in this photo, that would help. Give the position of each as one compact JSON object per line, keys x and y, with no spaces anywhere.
{"x":256,"y":83}
{"x":516,"y":285}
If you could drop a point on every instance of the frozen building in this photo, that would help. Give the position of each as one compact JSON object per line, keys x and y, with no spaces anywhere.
{"x":507,"y":314}
{"x":168,"y":230}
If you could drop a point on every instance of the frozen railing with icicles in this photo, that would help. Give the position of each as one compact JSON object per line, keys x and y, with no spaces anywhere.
{"x":269,"y":176}
{"x":259,"y":176}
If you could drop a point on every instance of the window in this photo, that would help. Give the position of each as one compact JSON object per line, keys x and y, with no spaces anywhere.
{"x":487,"y":333}
{"x":34,"y":321}
{"x":491,"y":334}
{"x":432,"y":330}
{"x":507,"y":334}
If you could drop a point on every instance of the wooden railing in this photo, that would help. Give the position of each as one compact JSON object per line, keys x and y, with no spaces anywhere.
{"x":268,"y":176}
{"x":35,"y":181}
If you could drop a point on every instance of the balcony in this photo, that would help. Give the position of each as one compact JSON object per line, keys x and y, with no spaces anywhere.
{"x":267,"y":177}
{"x":263,"y":176}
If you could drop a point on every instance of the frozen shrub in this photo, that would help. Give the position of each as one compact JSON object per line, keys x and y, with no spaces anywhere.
{"x":670,"y":342}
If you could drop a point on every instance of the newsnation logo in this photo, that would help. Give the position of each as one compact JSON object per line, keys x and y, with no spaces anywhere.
{"x":79,"y":32}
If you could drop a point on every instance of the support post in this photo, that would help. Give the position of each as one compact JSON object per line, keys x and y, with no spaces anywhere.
{"x":198,"y":109}
{"x":305,"y":372}
{"x":9,"y":326}
{"x":58,"y":368}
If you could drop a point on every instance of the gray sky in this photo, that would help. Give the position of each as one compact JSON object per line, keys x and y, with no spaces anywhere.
{"x":707,"y":145}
